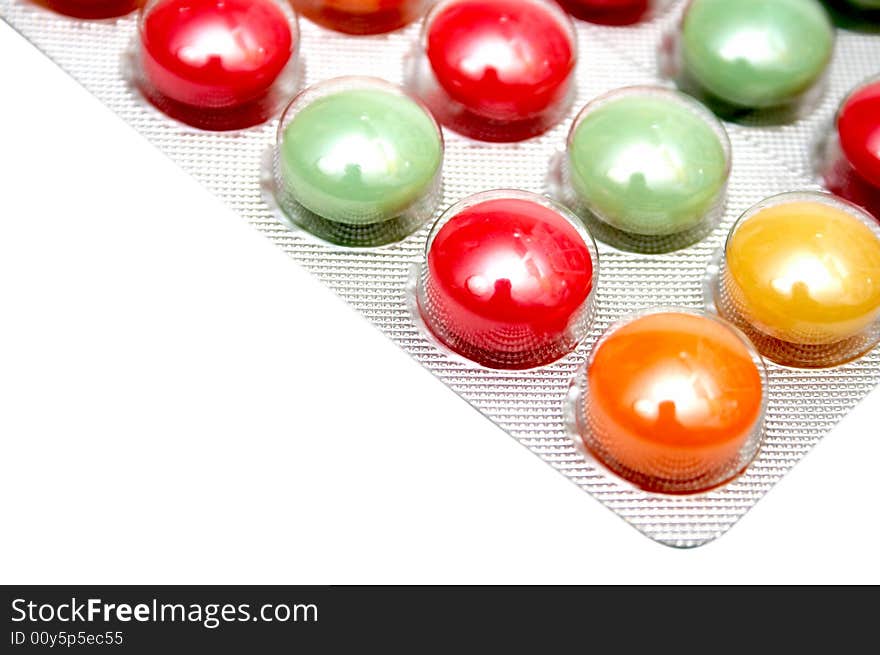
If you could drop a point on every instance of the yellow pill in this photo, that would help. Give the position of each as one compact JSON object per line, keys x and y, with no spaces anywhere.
{"x":805,"y":271}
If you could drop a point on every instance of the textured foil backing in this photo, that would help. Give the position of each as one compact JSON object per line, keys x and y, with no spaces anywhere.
{"x":768,"y":158}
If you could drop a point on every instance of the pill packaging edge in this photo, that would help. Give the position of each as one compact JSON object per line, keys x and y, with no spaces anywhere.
{"x":530,"y":405}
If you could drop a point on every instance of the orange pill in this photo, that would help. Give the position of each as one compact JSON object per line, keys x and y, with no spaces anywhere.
{"x":674,"y":401}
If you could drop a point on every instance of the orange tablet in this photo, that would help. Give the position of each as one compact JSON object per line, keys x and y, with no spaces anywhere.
{"x":674,"y":401}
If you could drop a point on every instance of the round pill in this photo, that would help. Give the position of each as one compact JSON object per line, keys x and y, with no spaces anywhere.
{"x":673,"y":400}
{"x":505,"y":60}
{"x":608,"y":12}
{"x":507,"y":281}
{"x":361,"y":16}
{"x":858,"y":127}
{"x":648,"y":161}
{"x":755,"y":53}
{"x":94,"y":9}
{"x":805,"y":271}
{"x":360,"y":155}
{"x":214,"y":53}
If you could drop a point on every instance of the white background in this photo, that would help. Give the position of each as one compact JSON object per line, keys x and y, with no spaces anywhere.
{"x":181,"y":403}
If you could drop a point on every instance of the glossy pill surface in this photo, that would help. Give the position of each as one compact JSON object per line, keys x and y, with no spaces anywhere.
{"x":647,"y":163}
{"x":214,"y":53}
{"x":506,"y":60}
{"x":672,"y":397}
{"x":360,"y":156}
{"x":858,"y":127}
{"x":756,"y":53}
{"x":507,"y":276}
{"x":805,"y":272}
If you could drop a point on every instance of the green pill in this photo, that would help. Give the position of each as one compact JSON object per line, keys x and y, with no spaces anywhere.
{"x":756,"y":53}
{"x":358,"y":154}
{"x":648,"y":161}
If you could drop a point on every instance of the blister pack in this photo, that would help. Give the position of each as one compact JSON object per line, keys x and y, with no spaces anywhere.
{"x":610,"y":237}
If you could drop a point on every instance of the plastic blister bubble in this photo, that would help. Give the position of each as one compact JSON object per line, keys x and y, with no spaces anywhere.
{"x":216,"y":64}
{"x":495,"y":70}
{"x":671,"y":400}
{"x":798,"y":274}
{"x":646,"y":168}
{"x":357,"y":162}
{"x":509,"y":280}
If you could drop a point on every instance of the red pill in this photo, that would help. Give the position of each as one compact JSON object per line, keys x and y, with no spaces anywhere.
{"x":94,"y":9}
{"x":608,"y":12}
{"x":858,"y":125}
{"x":505,"y":60}
{"x":508,"y":281}
{"x":214,"y":54}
